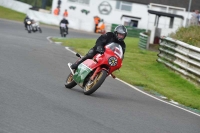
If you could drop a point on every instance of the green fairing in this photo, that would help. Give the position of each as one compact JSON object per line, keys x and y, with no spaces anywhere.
{"x":81,"y":73}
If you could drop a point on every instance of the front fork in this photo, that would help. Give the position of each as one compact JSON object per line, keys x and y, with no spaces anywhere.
{"x":95,"y":73}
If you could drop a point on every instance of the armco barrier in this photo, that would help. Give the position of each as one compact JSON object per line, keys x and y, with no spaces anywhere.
{"x":181,"y":57}
{"x":132,"y":31}
{"x":143,"y":41}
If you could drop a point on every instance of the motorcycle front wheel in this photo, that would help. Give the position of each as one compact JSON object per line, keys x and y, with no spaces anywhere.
{"x":92,"y":86}
{"x":62,"y":32}
{"x":29,"y":28}
{"x":40,"y":30}
{"x":70,"y":83}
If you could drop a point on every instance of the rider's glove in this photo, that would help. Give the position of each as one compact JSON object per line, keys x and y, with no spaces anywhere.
{"x":100,"y":49}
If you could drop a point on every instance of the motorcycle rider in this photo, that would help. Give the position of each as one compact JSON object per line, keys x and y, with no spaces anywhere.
{"x":65,"y":22}
{"x":25,"y":21}
{"x":117,"y":36}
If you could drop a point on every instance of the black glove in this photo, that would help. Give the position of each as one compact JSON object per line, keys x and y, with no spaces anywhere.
{"x":100,"y":49}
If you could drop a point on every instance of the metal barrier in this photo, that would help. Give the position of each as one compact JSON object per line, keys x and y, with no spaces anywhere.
{"x":143,"y":41}
{"x":181,"y":57}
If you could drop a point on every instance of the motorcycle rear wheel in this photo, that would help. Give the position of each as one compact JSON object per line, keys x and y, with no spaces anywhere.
{"x":92,"y":86}
{"x":70,"y":83}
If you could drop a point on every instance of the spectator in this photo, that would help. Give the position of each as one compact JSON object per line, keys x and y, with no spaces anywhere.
{"x":101,"y":27}
{"x":96,"y":21}
{"x":56,"y":11}
{"x":59,"y":2}
{"x":194,"y":19}
{"x":65,"y":14}
{"x":198,"y":17}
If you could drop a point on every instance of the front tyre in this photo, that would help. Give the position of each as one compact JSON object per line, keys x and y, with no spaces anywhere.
{"x":40,"y":30}
{"x":62,"y":32}
{"x":70,"y":83}
{"x":92,"y":86}
{"x":29,"y":28}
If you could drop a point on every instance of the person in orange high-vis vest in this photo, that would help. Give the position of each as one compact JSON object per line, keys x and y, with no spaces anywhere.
{"x":56,"y":11}
{"x":101,"y":27}
{"x":65,"y":14}
{"x":96,"y":21}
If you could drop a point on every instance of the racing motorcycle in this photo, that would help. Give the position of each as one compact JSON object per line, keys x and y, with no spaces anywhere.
{"x":36,"y":26}
{"x":64,"y":30}
{"x":91,"y":73}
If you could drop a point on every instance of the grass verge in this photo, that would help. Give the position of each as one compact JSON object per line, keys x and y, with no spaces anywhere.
{"x":11,"y":14}
{"x":140,"y":68}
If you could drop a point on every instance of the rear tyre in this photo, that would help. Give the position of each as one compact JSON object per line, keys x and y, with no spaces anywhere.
{"x":92,"y":86}
{"x":70,"y":83}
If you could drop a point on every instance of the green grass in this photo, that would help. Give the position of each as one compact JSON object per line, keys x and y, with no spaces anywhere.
{"x":11,"y":14}
{"x":140,"y":68}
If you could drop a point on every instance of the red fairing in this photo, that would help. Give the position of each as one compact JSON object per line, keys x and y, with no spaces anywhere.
{"x":110,"y":61}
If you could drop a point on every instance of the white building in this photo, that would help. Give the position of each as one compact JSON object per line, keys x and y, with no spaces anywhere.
{"x":81,"y":13}
{"x":109,"y":10}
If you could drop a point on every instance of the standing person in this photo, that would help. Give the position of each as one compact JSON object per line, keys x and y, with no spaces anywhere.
{"x":194,"y":19}
{"x":96,"y":21}
{"x":198,"y":17}
{"x":56,"y":11}
{"x":64,"y":23}
{"x":101,"y":27}
{"x":65,"y":14}
{"x":117,"y":36}
{"x":59,"y":2}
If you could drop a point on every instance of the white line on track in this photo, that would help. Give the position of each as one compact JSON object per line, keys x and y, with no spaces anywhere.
{"x":48,"y":38}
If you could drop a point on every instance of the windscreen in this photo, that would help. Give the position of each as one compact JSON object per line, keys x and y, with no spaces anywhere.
{"x":116,"y":48}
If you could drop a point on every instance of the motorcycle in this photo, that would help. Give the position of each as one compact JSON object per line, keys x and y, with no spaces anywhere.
{"x":64,"y":30}
{"x":29,"y":26}
{"x":36,"y":26}
{"x":91,"y":73}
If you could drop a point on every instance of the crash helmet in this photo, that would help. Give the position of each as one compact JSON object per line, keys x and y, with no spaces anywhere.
{"x":120,"y":32}
{"x":27,"y":17}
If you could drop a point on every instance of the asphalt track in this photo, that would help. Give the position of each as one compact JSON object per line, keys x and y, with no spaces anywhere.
{"x":33,"y":98}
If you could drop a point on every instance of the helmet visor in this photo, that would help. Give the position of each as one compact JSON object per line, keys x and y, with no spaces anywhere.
{"x":120,"y":36}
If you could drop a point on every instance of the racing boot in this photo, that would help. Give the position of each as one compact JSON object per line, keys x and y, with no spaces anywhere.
{"x":75,"y":65}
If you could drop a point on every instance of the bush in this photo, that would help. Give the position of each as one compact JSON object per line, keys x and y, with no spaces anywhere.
{"x":189,"y":35}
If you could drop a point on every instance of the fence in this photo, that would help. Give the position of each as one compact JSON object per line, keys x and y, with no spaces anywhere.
{"x":143,"y":41}
{"x":180,"y":57}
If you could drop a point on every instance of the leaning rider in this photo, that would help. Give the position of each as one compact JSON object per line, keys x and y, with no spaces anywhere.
{"x":117,"y":36}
